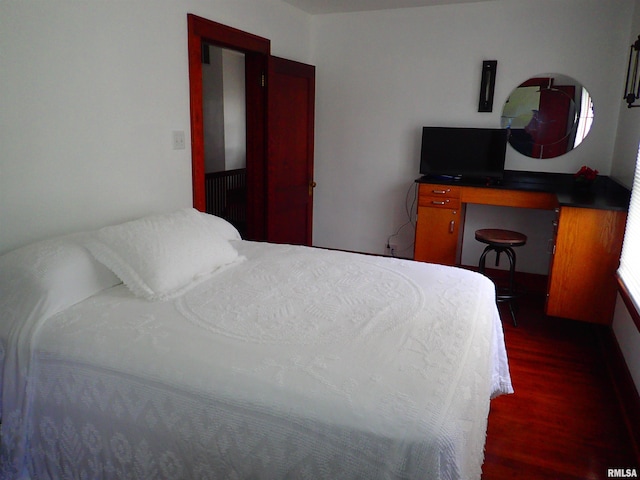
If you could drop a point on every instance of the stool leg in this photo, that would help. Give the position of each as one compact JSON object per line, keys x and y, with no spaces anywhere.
{"x":512,"y":269}
{"x":483,"y":258}
{"x":513,"y":313}
{"x":511,"y":256}
{"x":512,"y":289}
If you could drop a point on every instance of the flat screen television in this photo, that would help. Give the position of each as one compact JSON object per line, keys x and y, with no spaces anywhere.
{"x":463,"y":152}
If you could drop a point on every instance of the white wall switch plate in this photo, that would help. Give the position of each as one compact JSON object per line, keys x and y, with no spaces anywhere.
{"x":178,"y":140}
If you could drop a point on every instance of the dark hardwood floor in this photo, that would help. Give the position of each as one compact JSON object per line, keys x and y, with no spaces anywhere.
{"x":563,"y":422}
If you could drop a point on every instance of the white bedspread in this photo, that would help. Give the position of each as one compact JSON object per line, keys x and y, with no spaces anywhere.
{"x":296,"y":363}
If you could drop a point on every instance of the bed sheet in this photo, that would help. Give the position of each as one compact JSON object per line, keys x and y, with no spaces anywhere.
{"x":297,"y":363}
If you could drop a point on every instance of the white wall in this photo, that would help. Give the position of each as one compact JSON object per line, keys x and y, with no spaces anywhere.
{"x":382,"y":75}
{"x":213,"y":110}
{"x":224,"y":110}
{"x":90,"y":92}
{"x":623,"y":167}
{"x":235,"y":111}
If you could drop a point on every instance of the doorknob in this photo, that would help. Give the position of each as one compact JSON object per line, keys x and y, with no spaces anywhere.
{"x":312,"y":185}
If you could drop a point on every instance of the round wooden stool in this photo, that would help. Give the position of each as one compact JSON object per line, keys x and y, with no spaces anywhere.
{"x":502,"y":241}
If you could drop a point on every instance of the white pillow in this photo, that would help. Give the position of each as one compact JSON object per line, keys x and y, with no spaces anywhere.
{"x":161,"y":256}
{"x":223,"y":228}
{"x":44,"y":278}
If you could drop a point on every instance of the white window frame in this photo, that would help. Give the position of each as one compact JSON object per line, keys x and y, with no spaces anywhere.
{"x":629,"y":270}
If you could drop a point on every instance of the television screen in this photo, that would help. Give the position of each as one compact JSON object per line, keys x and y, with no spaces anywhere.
{"x":461,"y":152}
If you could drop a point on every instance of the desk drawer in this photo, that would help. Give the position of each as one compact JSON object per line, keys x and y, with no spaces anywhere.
{"x":440,"y":202}
{"x":432,"y":192}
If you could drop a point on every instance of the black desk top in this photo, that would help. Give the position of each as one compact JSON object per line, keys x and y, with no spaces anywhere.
{"x":604,"y":193}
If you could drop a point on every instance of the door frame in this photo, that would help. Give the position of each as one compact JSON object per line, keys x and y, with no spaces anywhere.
{"x":257,"y":51}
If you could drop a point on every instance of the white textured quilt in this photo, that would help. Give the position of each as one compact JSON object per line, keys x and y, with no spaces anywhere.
{"x":295,"y":363}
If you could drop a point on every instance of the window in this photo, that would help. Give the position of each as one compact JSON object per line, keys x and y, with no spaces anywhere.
{"x":629,"y":271}
{"x":585,"y":117}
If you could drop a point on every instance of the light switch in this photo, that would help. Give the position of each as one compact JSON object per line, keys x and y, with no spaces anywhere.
{"x":178,"y":140}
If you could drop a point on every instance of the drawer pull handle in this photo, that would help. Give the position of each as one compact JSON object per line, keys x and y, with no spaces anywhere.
{"x":442,"y":192}
{"x":441,"y":202}
{"x":452,"y":225}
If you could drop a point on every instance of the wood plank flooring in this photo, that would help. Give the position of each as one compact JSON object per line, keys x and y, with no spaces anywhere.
{"x":563,"y":422}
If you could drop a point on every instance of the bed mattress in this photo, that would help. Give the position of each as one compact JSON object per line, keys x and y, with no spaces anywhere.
{"x":293,"y":363}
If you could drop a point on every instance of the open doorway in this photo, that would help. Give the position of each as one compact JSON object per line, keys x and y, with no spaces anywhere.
{"x":225,"y":127}
{"x":255,"y":52}
{"x":279,"y":99}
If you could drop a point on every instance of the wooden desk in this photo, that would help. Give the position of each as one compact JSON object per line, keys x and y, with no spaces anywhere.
{"x":587,"y":232}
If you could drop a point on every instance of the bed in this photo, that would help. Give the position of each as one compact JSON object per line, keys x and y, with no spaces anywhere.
{"x":168,"y":347}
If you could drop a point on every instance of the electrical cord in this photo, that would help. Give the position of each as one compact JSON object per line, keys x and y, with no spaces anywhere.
{"x":411,"y":220}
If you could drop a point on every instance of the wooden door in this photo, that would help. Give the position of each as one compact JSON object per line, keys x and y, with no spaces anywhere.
{"x":290,"y":140}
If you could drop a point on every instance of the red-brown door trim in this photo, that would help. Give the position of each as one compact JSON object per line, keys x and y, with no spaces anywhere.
{"x":256,"y":50}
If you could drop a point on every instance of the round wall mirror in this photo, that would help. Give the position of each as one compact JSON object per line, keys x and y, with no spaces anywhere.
{"x":547,"y":116}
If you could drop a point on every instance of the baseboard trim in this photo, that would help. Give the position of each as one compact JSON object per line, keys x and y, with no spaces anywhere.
{"x":625,"y":389}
